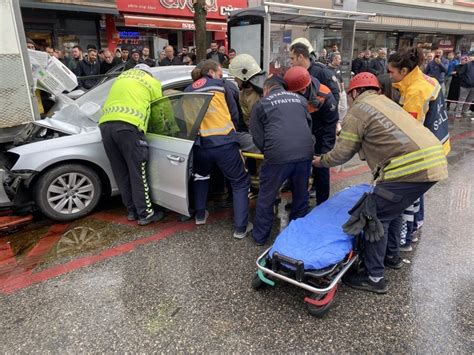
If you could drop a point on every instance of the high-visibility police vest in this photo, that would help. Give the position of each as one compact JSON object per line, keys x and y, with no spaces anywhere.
{"x":217,"y":121}
{"x":130,"y":97}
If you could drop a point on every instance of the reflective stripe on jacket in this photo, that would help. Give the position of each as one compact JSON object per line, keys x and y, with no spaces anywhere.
{"x":421,"y":96}
{"x":217,"y":127}
{"x":130,"y":98}
{"x":396,"y":147}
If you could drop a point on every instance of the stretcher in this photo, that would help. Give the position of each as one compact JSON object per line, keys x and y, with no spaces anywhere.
{"x":313,"y":252}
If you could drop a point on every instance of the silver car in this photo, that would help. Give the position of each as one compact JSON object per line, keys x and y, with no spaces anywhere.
{"x":60,"y":164}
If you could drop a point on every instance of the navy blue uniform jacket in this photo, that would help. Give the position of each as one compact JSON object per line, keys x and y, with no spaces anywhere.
{"x":280,"y":127}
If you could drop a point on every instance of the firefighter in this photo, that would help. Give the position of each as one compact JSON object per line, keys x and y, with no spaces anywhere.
{"x":250,"y":77}
{"x":300,"y":56}
{"x":217,"y":143}
{"x":123,"y":127}
{"x":280,"y":126}
{"x":324,"y":113}
{"x":406,"y":160}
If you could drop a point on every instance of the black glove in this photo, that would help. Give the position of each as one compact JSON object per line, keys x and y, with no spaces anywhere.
{"x":357,"y":220}
{"x":373,"y":230}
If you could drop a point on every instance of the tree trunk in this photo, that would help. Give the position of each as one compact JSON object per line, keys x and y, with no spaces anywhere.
{"x":200,"y":13}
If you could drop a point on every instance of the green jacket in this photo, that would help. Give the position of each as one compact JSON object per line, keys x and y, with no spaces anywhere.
{"x":130,"y":98}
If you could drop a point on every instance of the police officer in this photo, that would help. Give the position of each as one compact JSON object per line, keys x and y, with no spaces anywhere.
{"x":406,"y":160}
{"x":280,"y":126}
{"x":123,"y":127}
{"x":323,"y":109}
{"x":217,"y":143}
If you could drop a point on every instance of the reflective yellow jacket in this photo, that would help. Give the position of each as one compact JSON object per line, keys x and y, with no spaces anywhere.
{"x":130,"y":98}
{"x":421,"y":97}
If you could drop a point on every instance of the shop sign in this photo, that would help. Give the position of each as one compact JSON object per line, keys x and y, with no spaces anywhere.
{"x":216,"y":9}
{"x":446,"y":45}
{"x":164,"y":22}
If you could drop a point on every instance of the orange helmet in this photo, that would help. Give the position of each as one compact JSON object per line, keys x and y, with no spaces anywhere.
{"x":364,"y":80}
{"x":297,"y":79}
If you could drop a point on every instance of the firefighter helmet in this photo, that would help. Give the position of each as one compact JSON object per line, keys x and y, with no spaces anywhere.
{"x":297,"y":79}
{"x":243,"y":67}
{"x":364,"y":80}
{"x":305,"y":42}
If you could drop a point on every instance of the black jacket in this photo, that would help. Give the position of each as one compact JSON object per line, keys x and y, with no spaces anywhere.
{"x":361,"y":65}
{"x":325,"y":76}
{"x":219,"y":54}
{"x":85,"y":69}
{"x":324,"y":116}
{"x":105,"y":67}
{"x":378,"y":66}
{"x":280,"y":127}
{"x":149,"y":61}
{"x":131,"y":64}
{"x":166,"y":61}
{"x":466,"y":75}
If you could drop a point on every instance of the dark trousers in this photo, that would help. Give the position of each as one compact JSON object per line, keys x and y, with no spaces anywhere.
{"x":230,"y":161}
{"x":127,"y":151}
{"x":389,"y":213}
{"x":272,"y":176}
{"x":321,"y":183}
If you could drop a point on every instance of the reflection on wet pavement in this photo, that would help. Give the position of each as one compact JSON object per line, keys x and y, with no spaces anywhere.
{"x":102,"y":284}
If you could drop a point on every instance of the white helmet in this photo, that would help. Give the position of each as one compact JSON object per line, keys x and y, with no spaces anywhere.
{"x":305,"y":42}
{"x":143,"y":67}
{"x":243,"y":67}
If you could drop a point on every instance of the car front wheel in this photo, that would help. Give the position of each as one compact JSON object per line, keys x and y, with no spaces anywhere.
{"x":68,"y":192}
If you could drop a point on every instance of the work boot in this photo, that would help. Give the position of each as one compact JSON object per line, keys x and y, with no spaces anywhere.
{"x":241,"y":235}
{"x":152,"y":217}
{"x":393,"y":262}
{"x":364,"y":283}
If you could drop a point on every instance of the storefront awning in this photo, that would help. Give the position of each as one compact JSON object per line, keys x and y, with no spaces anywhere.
{"x":170,"y":23}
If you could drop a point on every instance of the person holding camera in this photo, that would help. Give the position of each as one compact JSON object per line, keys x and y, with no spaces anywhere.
{"x":438,"y":68}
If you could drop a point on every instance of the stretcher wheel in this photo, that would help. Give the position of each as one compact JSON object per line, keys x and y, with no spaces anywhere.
{"x":257,"y":284}
{"x":318,"y":305}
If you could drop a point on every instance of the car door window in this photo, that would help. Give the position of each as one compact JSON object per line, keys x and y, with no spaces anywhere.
{"x":178,"y":115}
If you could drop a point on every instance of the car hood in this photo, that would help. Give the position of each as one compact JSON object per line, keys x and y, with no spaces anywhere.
{"x":73,"y":119}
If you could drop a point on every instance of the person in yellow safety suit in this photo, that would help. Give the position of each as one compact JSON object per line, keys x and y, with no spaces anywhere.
{"x":125,"y":120}
{"x":406,"y":160}
{"x":421,"y":96}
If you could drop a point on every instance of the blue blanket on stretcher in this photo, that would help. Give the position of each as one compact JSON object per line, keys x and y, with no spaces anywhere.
{"x":317,"y":239}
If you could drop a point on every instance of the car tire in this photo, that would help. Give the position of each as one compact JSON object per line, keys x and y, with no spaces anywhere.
{"x":68,"y":192}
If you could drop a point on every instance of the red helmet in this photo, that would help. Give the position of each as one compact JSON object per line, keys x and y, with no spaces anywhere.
{"x":364,"y":80}
{"x":297,"y":79}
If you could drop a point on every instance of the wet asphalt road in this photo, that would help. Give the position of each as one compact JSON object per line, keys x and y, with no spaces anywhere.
{"x":102,"y":284}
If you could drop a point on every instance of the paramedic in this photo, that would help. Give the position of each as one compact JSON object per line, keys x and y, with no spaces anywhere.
{"x":217,"y":143}
{"x":324,"y":114}
{"x":422,"y":97}
{"x":123,"y":127}
{"x":406,"y":160}
{"x":280,"y":126}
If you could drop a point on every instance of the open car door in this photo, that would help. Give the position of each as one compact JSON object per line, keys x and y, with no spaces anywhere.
{"x":172,"y":129}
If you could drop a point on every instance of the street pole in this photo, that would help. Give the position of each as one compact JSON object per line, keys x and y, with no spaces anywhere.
{"x":347,"y":43}
{"x":200,"y":13}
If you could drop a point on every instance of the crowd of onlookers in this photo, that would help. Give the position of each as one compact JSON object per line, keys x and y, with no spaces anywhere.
{"x":451,"y":70}
{"x":93,"y":61}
